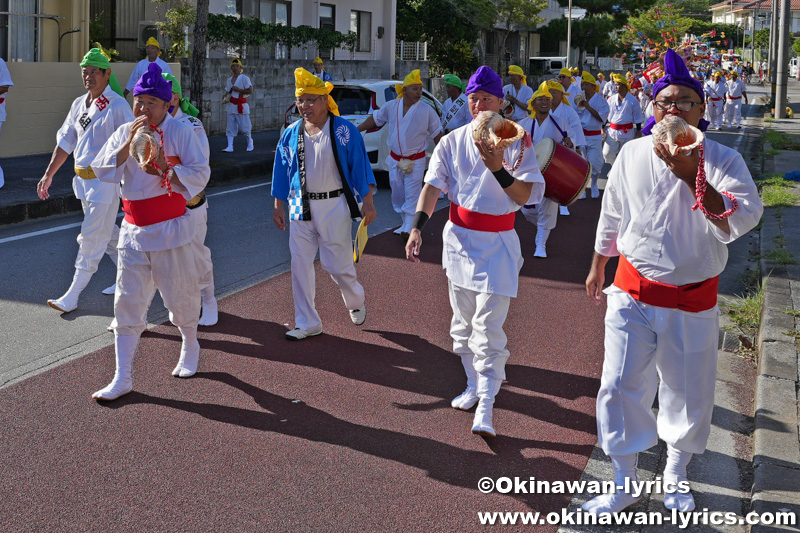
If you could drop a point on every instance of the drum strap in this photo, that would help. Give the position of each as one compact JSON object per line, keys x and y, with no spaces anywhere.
{"x":693,"y":297}
{"x":562,"y":132}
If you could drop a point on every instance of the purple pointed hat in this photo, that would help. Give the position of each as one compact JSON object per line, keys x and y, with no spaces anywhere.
{"x":154,"y":84}
{"x":676,"y":73}
{"x":486,"y":79}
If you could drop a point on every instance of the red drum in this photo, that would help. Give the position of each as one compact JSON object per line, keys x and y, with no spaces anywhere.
{"x":566,"y":174}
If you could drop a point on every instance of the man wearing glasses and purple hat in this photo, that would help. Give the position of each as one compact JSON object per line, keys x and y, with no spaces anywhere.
{"x":668,"y":218}
{"x":486,"y":186}
{"x":155,"y":238}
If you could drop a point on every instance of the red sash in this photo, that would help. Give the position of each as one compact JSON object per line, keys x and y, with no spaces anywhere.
{"x":590,"y":133}
{"x":414,"y":157}
{"x":734,"y":98}
{"x":715,"y":99}
{"x":694,"y":297}
{"x":239,"y":103}
{"x":154,"y":210}
{"x":461,"y":216}
{"x":623,"y":127}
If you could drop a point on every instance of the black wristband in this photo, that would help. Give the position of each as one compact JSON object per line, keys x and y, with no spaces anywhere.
{"x":505,"y":179}
{"x":638,"y":126}
{"x":420,"y":218}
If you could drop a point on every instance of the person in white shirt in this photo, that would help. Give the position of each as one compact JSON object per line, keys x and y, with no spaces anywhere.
{"x":153,"y":51}
{"x":183,"y":110}
{"x":322,"y":172}
{"x":593,"y":112}
{"x":455,"y":111}
{"x":91,"y":120}
{"x":601,"y":79}
{"x":715,"y":99}
{"x":518,"y":93}
{"x":5,"y":83}
{"x":563,"y":109}
{"x":624,"y":112}
{"x":155,"y":241}
{"x":411,"y":124}
{"x":544,"y":124}
{"x":610,"y":88}
{"x":481,"y":256}
{"x":238,"y":87}
{"x":320,"y":72}
{"x":736,"y":90}
{"x":662,"y":319}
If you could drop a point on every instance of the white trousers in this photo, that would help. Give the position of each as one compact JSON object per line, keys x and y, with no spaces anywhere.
{"x":406,"y":189}
{"x":594,"y":154}
{"x":477,"y":328}
{"x":2,"y":175}
{"x":544,"y":215}
{"x":238,"y":123}
{"x":714,"y":112}
{"x":643,"y":343}
{"x":99,"y":234}
{"x":330,"y":232}
{"x":733,"y":112}
{"x":615,"y":139}
{"x":202,"y":255}
{"x":139,"y":274}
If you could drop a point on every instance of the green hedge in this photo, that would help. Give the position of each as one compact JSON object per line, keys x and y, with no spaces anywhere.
{"x":225,"y":31}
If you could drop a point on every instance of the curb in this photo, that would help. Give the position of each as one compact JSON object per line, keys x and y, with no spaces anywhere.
{"x":67,"y":203}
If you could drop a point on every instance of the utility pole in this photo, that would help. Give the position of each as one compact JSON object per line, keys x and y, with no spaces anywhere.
{"x":773,"y":47}
{"x":569,"y":31}
{"x":782,"y":72}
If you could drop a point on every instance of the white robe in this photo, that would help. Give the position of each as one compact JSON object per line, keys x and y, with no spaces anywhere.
{"x":575,"y":130}
{"x":594,"y":143}
{"x":460,"y":116}
{"x":141,"y":67}
{"x":733,"y":101}
{"x":523,"y":94}
{"x":647,"y":218}
{"x":716,"y":99}
{"x":621,"y":111}
{"x":5,"y":79}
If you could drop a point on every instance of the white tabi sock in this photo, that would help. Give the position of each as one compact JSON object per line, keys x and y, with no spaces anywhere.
{"x":125,"y":350}
{"x":467,"y":399}
{"x":625,"y":469}
{"x":487,"y":388}
{"x":190,"y":353}
{"x":69,"y":302}
{"x":210,"y":315}
{"x":674,"y":473}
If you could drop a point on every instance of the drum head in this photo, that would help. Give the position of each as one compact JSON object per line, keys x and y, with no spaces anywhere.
{"x":544,"y":152}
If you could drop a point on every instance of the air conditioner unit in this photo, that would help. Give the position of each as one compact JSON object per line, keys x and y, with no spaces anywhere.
{"x":147,"y":29}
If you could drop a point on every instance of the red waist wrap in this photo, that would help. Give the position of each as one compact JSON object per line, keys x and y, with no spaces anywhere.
{"x":461,"y":216}
{"x":591,"y":133}
{"x":239,"y":103}
{"x":734,"y":98}
{"x":154,"y":210}
{"x":414,"y":157}
{"x":623,"y":127}
{"x":694,"y":297}
{"x":715,"y":99}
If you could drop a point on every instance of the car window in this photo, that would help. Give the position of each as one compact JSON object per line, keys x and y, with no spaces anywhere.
{"x":428,"y":99}
{"x":389,"y":93}
{"x":352,"y":100}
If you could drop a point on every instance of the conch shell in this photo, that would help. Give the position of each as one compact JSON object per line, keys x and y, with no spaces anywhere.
{"x":677,"y":134}
{"x":580,"y":97}
{"x":144,"y":147}
{"x":496,"y":131}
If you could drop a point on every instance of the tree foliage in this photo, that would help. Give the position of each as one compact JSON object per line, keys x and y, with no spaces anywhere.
{"x":226,"y":31}
{"x":659,"y":28}
{"x":177,"y":20}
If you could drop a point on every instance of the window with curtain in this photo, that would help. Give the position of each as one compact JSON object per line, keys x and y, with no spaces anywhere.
{"x":361,"y":25}
{"x":22,"y":44}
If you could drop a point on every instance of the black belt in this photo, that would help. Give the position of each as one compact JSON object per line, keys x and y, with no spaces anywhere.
{"x":197,"y":201}
{"x":325,"y":195}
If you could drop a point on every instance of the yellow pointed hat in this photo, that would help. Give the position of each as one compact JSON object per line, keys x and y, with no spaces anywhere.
{"x":553,"y":85}
{"x":618,"y":78}
{"x":514,"y":69}
{"x":541,"y":92}
{"x":307,"y":83}
{"x":152,"y":41}
{"x":587,"y":77}
{"x":413,"y":78}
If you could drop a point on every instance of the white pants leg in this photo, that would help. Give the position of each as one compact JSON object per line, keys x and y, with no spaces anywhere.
{"x":477,"y":324}
{"x":615,"y":139}
{"x":406,"y":189}
{"x":737,"y":112}
{"x":202,"y":254}
{"x":232,"y":128}
{"x":238,"y":124}
{"x":328,"y":231}
{"x":641,"y":342}
{"x":245,"y":126}
{"x":99,"y":234}
{"x":2,"y":175}
{"x":715,"y":112}
{"x":594,"y":154}
{"x":139,"y":274}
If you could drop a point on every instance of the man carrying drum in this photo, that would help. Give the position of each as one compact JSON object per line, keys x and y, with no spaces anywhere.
{"x":593,"y":112}
{"x":562,"y":108}
{"x":669,"y":218}
{"x":542,"y":124}
{"x":482,"y":254}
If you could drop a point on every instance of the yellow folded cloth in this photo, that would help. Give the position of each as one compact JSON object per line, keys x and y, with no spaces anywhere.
{"x":85,"y":173}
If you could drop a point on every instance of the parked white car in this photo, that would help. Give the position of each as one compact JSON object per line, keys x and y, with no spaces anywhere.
{"x":357,"y":99}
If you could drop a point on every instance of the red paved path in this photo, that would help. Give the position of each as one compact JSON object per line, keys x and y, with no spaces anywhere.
{"x":348,"y":431}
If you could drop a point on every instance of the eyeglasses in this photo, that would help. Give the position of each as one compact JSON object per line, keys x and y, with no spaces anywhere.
{"x":563,"y":76}
{"x":666,"y":105}
{"x":310,"y":102}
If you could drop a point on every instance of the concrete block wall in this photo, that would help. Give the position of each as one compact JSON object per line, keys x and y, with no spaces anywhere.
{"x":273,"y":88}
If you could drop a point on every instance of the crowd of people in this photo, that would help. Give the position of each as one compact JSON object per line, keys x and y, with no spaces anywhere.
{"x":668,"y":215}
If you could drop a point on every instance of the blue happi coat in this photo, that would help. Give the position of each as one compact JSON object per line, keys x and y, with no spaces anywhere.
{"x":352,"y":161}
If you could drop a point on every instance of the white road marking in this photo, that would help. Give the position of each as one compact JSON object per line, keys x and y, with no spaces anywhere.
{"x":78,"y":224}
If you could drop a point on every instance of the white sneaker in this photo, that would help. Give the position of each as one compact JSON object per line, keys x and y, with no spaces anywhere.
{"x":540,"y":251}
{"x":358,"y":316}
{"x":228,"y":149}
{"x":298,"y":334}
{"x":563,"y":210}
{"x":110,"y":290}
{"x":250,"y":146}
{"x":595,"y":191}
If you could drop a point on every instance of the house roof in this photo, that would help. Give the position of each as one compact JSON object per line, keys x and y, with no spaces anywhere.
{"x":763,"y":5}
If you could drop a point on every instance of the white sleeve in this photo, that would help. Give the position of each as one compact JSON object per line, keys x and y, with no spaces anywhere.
{"x":193,"y":171}
{"x":67,"y":136}
{"x":105,"y":162}
{"x":434,"y":122}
